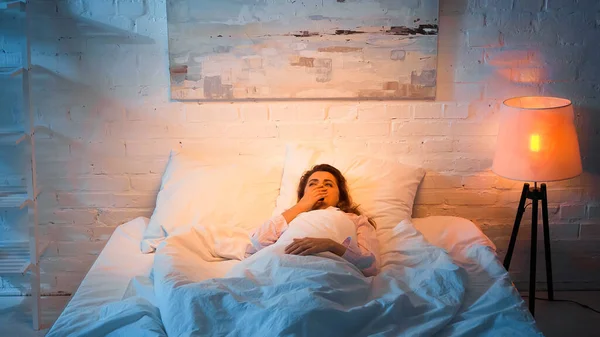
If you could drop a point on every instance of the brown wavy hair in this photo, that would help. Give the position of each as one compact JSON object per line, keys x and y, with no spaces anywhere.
{"x":345,"y":203}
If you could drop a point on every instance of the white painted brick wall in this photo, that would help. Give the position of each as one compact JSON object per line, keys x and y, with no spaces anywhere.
{"x":254,"y":112}
{"x":211,"y":112}
{"x":357,"y":129}
{"x":342,"y":112}
{"x":420,"y":128}
{"x":384,"y":112}
{"x":455,"y":110}
{"x":304,"y":131}
{"x":428,"y":110}
{"x":297,"y":112}
{"x":105,"y":99}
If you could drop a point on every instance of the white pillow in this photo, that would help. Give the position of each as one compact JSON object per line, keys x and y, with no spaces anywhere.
{"x":384,"y":189}
{"x":229,"y":192}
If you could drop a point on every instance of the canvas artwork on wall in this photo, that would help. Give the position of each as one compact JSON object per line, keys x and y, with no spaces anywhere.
{"x":302,"y":49}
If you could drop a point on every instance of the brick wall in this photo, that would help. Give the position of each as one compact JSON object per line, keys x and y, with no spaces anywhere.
{"x":104,"y":92}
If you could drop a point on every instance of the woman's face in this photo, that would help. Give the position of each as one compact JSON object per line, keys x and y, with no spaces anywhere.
{"x":326,"y":180}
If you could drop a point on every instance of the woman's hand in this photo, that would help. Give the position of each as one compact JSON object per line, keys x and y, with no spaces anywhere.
{"x":306,"y":204}
{"x":311,"y":197}
{"x":311,"y":246}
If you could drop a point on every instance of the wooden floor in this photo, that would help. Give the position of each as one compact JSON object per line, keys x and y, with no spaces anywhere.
{"x":568,"y":319}
{"x":555,"y":319}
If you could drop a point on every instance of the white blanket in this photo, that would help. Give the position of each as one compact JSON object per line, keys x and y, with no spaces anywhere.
{"x":134,"y":315}
{"x":328,"y":223}
{"x":417,"y":292}
{"x":492,"y":306}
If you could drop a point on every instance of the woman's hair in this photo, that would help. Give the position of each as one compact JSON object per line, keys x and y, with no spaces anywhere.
{"x":345,"y":201}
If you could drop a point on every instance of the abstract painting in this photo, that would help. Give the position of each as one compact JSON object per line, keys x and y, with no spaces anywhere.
{"x":302,"y":49}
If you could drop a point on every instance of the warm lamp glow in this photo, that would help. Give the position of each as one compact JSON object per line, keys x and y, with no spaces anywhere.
{"x":534,"y":143}
{"x":537,"y":140}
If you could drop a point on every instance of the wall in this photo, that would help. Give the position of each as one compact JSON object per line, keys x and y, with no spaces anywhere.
{"x":103,"y":93}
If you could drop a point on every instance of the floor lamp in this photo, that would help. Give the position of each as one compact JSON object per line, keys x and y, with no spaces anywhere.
{"x":537,"y":142}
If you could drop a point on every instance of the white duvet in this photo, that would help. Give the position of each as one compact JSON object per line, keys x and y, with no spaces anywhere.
{"x":417,"y":292}
{"x":491,"y":306}
{"x":135,"y":315}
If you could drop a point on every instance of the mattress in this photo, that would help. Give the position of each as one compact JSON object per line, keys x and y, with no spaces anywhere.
{"x":491,"y":304}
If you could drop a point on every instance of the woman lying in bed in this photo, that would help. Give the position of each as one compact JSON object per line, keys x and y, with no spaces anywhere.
{"x":278,"y":292}
{"x":324,"y":188}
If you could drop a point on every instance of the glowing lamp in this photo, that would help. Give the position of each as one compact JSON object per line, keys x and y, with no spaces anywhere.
{"x":537,"y":142}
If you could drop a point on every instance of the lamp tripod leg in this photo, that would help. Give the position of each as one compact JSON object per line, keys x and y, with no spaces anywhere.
{"x":533,"y":256}
{"x":515,"y":231}
{"x":547,"y":243}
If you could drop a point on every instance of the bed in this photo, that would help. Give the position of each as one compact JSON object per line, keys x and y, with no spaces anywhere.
{"x":185,"y":272}
{"x":491,"y":305}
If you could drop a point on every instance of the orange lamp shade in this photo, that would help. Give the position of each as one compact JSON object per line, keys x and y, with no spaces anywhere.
{"x":537,"y":140}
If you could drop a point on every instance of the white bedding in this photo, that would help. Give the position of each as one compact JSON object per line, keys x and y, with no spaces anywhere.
{"x":490,"y":306}
{"x":276,"y":294}
{"x":119,"y":267}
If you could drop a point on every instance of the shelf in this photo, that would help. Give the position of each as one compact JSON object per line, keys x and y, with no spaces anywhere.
{"x":15,"y":136}
{"x":13,"y":197}
{"x":12,"y":137}
{"x":10,"y":71}
{"x":15,"y":257}
{"x":12,"y":5}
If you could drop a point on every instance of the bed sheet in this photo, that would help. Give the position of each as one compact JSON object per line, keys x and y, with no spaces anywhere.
{"x":490,"y":303}
{"x":492,"y":306}
{"x":120,"y":270}
{"x":108,"y":279}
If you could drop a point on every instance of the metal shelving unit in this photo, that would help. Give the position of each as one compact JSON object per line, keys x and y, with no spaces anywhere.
{"x":14,"y":257}
{"x":12,"y":137}
{"x":18,"y":5}
{"x":20,"y":257}
{"x":10,"y":71}
{"x":13,"y":197}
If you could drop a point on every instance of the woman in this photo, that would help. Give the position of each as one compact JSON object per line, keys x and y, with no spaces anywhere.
{"x":320,"y":188}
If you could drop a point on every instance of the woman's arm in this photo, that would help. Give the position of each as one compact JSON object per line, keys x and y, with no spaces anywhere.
{"x":363,"y":253}
{"x":305,"y":204}
{"x":267,"y":234}
{"x":271,"y":230}
{"x":293,"y":212}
